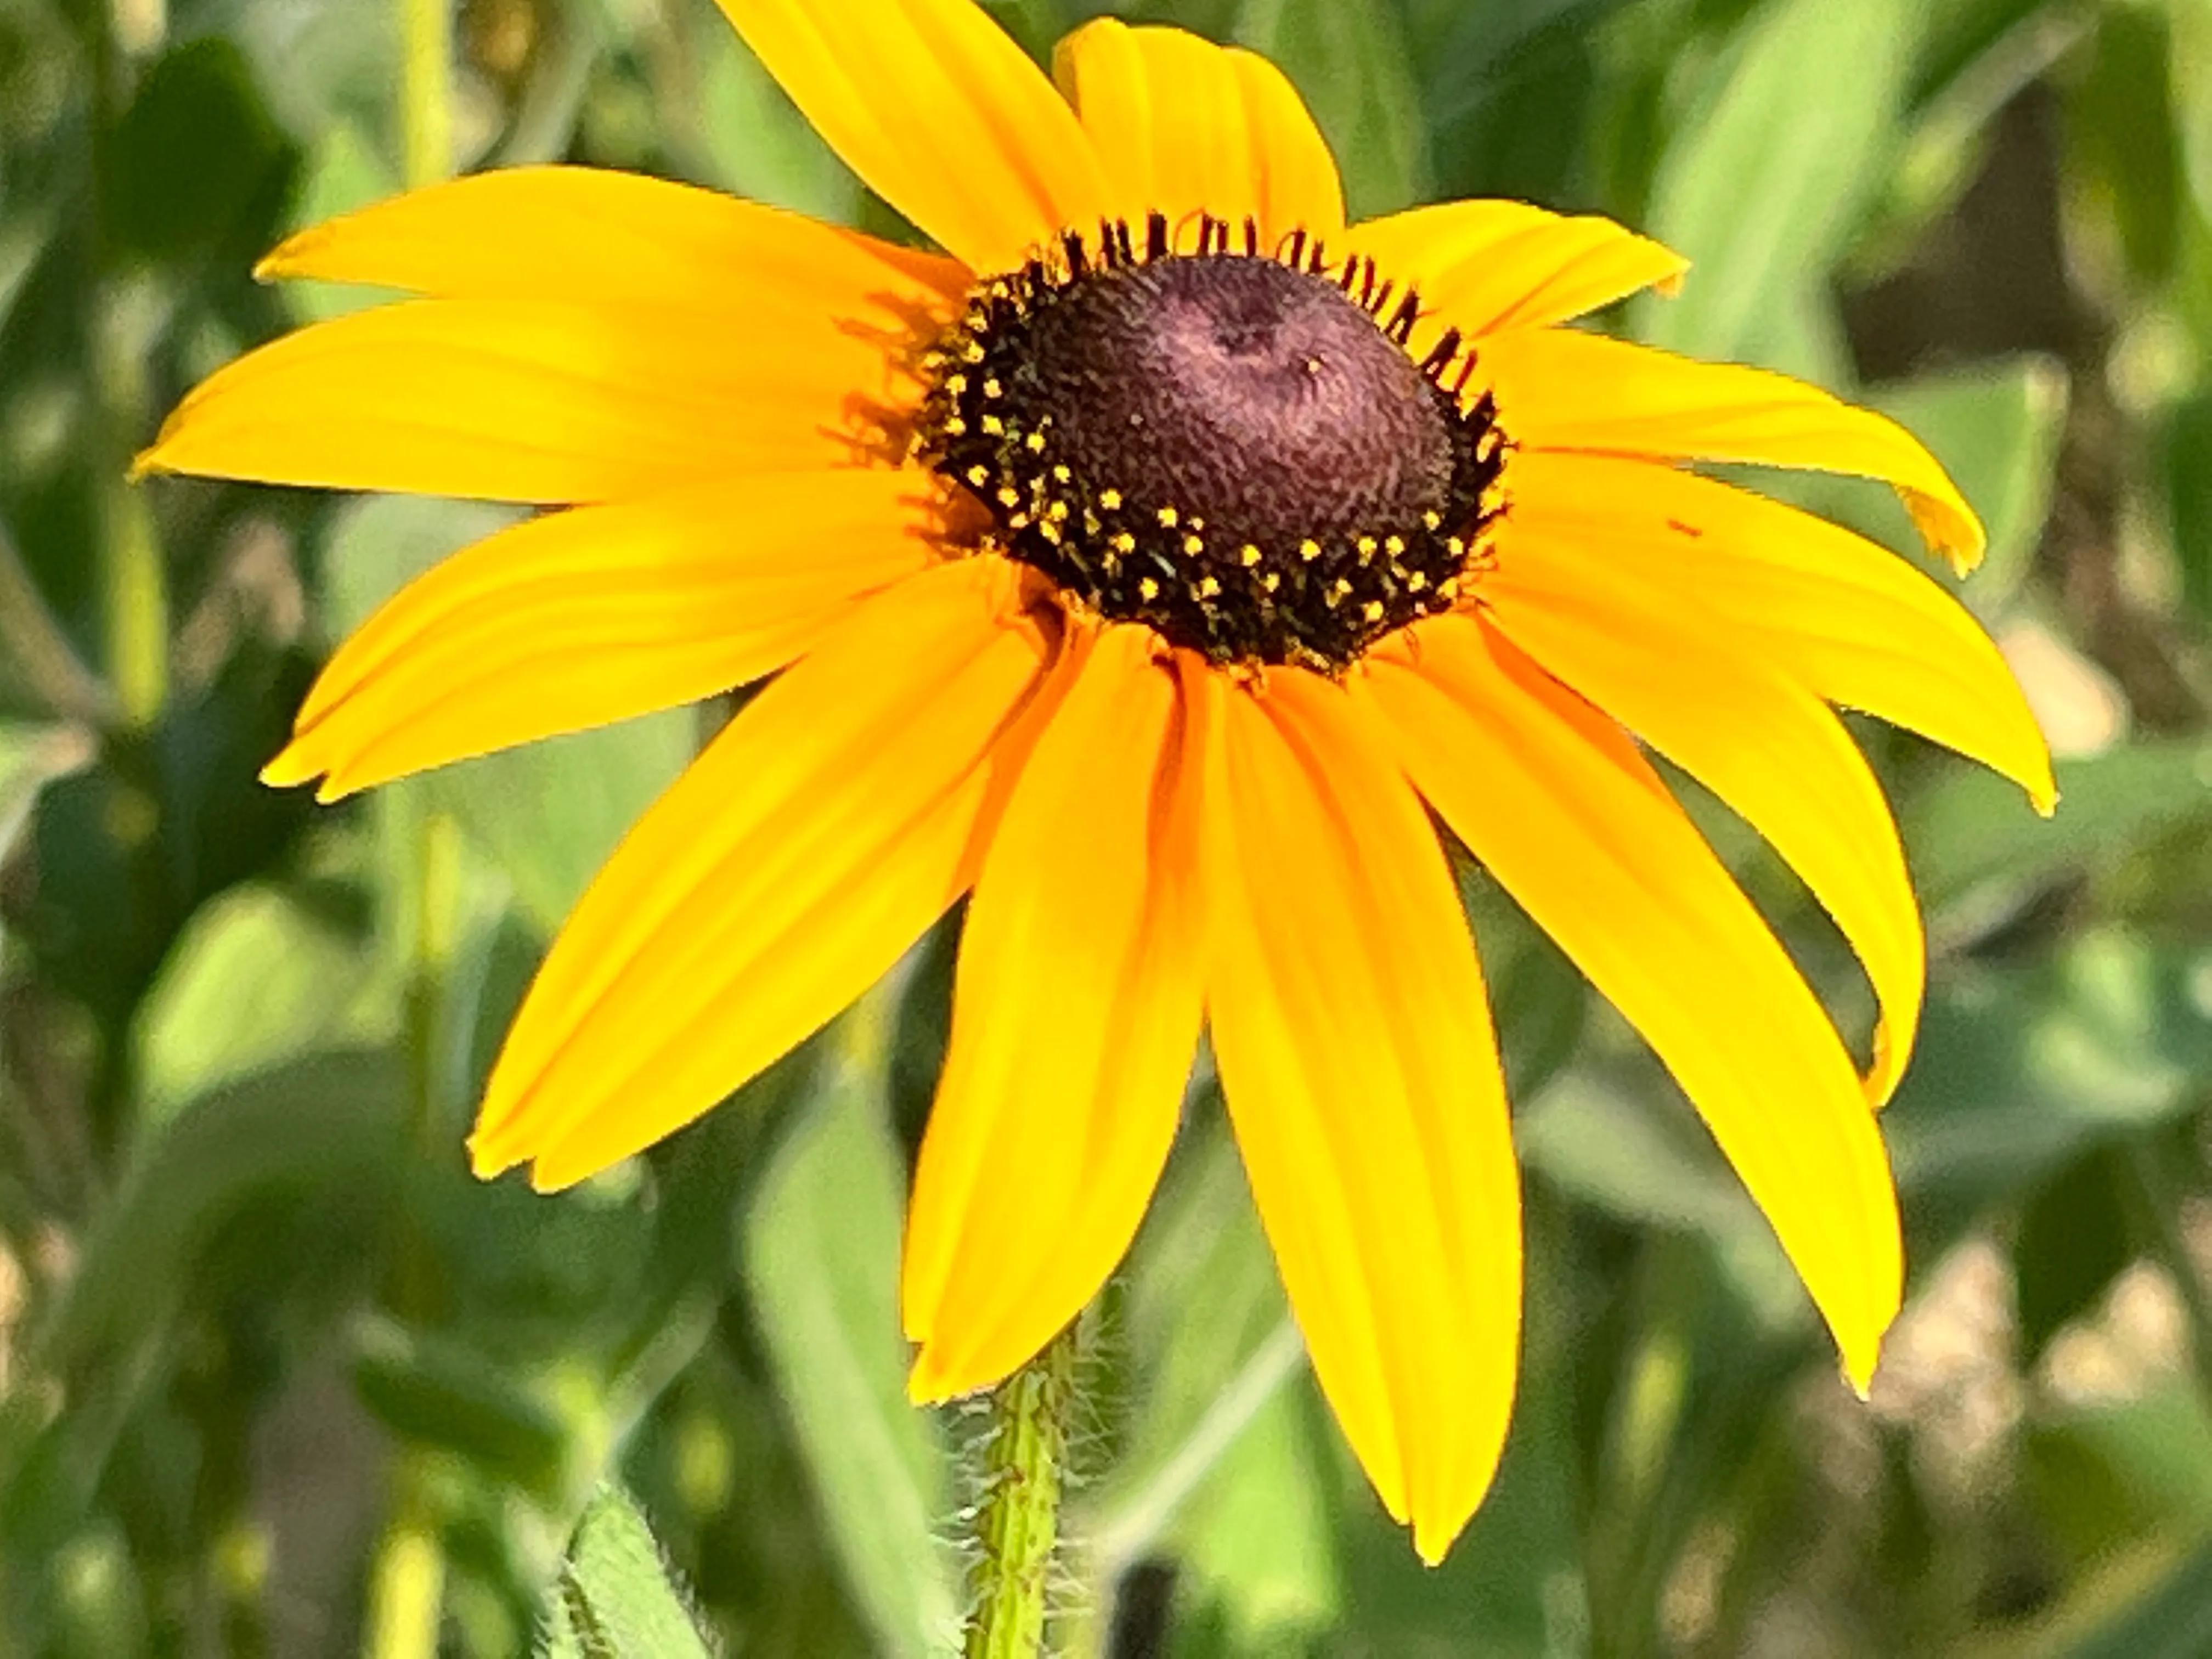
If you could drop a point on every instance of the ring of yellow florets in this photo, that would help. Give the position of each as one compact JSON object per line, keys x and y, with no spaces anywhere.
{"x":1204,"y":443}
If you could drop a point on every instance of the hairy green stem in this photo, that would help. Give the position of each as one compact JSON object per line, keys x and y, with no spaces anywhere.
{"x":1017,"y":1523}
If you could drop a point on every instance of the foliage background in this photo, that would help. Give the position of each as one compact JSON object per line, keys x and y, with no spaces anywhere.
{"x":277,"y":1378}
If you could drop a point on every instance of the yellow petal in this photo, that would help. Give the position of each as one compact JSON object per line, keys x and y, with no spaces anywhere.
{"x":1185,"y":127}
{"x":1362,"y":1078}
{"x":1847,"y":618}
{"x":1483,"y":267}
{"x":939,"y":113}
{"x":837,"y":817}
{"x":599,"y":613}
{"x":1558,"y":804}
{"x":1707,"y":697}
{"x":598,"y":237}
{"x":1074,"y":1019}
{"x":1561,"y":390}
{"x":540,"y":401}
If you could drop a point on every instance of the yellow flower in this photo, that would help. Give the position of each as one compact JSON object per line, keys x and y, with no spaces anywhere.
{"x":1142,"y":564}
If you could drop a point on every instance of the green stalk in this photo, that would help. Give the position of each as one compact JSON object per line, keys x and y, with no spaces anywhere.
{"x":407,"y":1582}
{"x":426,"y":113}
{"x":1017,"y":1526}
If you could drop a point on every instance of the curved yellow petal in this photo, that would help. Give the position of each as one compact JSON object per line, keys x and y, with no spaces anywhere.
{"x":1705,"y":698}
{"x":542,"y":401}
{"x":596,"y":614}
{"x":1483,"y":267}
{"x":1557,"y":389}
{"x":1185,"y":127}
{"x":598,"y":237}
{"x":1845,"y":617}
{"x":1074,"y":1019}
{"x":839,"y":815}
{"x":1355,"y":1055}
{"x":941,"y":115}
{"x":1555,"y":800}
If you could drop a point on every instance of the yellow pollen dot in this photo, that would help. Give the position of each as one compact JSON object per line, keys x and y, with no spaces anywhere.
{"x":1366,"y":545}
{"x":1447,"y":588}
{"x":1049,"y":530}
{"x":954,"y":426}
{"x":979,"y":475}
{"x":1168,"y":517}
{"x":1309,"y":550}
{"x":992,"y":389}
{"x":993,"y":427}
{"x":1036,"y":443}
{"x":1455,"y":547}
{"x":1208,"y":588}
{"x":1009,"y":496}
{"x":1339,"y":587}
{"x":1193,"y":544}
{"x":1271,"y":581}
{"x":1147,"y":588}
{"x":1249,"y":556}
{"x":971,"y":351}
{"x":1057,"y":512}
{"x":1393,"y":545}
{"x":1124,"y":543}
{"x":1432,"y":520}
{"x":1416,"y":582}
{"x":1061,"y":474}
{"x":1110,"y":499}
{"x":1372,"y":611}
{"x":955,"y":384}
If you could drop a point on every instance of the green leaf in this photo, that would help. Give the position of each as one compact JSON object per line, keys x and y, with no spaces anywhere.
{"x":2186,"y":456}
{"x":550,"y":812}
{"x":1976,"y":845}
{"x":616,"y":1597}
{"x":256,"y":978}
{"x":323,"y":1134}
{"x":822,"y":1251}
{"x":1763,"y":187}
{"x":2020,"y":1068}
{"x":2172,"y":1621}
{"x":437,"y":1392}
{"x":2124,"y":136}
{"x":2073,"y":1239}
{"x":1996,"y":426}
{"x":1351,"y":66}
{"x":32,"y":756}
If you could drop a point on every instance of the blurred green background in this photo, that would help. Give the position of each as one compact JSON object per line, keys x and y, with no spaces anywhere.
{"x":276,"y":1377}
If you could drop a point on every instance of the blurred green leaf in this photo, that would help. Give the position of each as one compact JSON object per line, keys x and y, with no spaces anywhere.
{"x":32,"y":756}
{"x":199,"y":163}
{"x":324,"y":1133}
{"x":1973,"y":839}
{"x":1996,"y":426}
{"x":616,"y":1597}
{"x":1352,"y":66}
{"x":2073,"y":1239}
{"x":2172,"y":1621}
{"x":2123,"y":132}
{"x":2019,"y":1068}
{"x":435,"y":1391}
{"x":822,"y":1248}
{"x":255,"y":979}
{"x":2186,"y":457}
{"x":548,"y":813}
{"x":1761,"y":188}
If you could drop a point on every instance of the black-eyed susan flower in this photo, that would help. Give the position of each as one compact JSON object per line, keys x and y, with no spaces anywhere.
{"x":1148,"y":564}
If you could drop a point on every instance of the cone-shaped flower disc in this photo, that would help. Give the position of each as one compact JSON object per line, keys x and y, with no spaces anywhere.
{"x":1149,"y":563}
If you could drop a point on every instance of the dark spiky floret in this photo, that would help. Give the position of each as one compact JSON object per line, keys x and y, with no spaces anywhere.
{"x":1234,"y":447}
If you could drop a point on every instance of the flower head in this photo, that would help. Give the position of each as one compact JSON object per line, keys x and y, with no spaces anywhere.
{"x":1148,"y":564}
